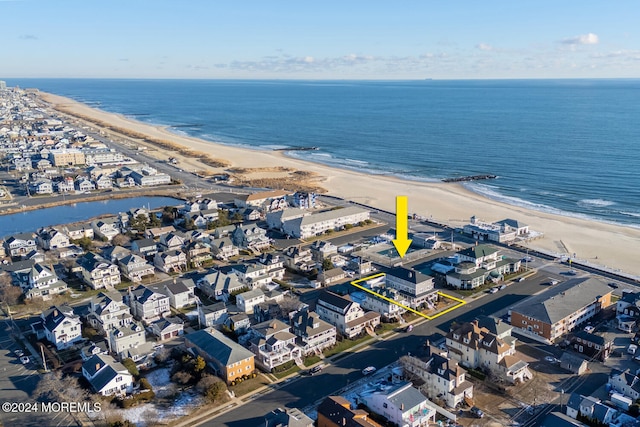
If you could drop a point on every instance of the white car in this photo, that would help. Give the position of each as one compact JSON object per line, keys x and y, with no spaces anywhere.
{"x":368,"y":370}
{"x":589,"y":329}
{"x":24,"y":360}
{"x":493,"y":290}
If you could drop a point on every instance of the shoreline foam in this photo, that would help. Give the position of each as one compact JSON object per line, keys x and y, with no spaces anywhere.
{"x":606,"y":244}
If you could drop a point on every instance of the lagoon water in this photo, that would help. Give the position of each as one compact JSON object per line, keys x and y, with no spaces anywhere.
{"x":30,"y":221}
{"x":564,"y":146}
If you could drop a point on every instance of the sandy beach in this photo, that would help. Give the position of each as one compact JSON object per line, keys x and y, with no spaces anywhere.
{"x":596,"y":242}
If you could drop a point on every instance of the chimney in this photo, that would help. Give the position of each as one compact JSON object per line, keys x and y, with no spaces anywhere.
{"x":402,"y":406}
{"x":97,"y":367}
{"x":55,"y":312}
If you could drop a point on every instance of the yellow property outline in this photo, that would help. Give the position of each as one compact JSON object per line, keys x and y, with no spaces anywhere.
{"x":460,"y":302}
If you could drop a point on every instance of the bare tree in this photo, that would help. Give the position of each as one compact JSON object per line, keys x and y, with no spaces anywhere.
{"x":53,"y":386}
{"x":9,"y":293}
{"x":121,"y":240}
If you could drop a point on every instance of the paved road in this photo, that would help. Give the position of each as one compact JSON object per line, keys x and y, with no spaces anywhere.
{"x":307,"y":390}
{"x":17,"y":382}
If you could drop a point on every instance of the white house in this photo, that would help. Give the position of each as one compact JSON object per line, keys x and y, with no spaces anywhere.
{"x":314,"y":334}
{"x":318,"y":223}
{"x":147,"y":304}
{"x":97,"y":272}
{"x":106,"y":376}
{"x":274,"y":345}
{"x":247,"y":300}
{"x":60,"y":326}
{"x":401,"y":404}
{"x":346,"y":315}
{"x":107,"y":311}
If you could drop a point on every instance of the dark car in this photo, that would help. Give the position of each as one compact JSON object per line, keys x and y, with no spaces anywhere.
{"x":613,"y":285}
{"x":315,"y":370}
{"x":477,"y":412}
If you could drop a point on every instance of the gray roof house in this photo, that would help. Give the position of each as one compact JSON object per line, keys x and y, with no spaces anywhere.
{"x":106,"y":376}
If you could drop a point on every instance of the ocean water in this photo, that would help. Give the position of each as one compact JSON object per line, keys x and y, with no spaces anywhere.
{"x":564,"y":146}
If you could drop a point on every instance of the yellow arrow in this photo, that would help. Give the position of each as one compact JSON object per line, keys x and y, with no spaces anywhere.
{"x":402,"y":242}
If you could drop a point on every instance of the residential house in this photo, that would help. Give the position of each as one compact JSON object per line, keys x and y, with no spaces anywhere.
{"x":180,"y":292}
{"x":115,"y":253}
{"x":314,"y":334}
{"x":41,"y":282}
{"x":147,"y":304}
{"x":134,"y":267}
{"x":79,"y":231}
{"x":625,"y":383}
{"x":106,"y":229}
{"x":379,"y":302}
{"x":250,"y":214}
{"x":443,"y":377}
{"x":304,"y":200}
{"x":171,"y":242}
{"x":246,"y":300}
{"x":157,"y":232}
{"x":107,"y":311}
{"x":346,"y":315}
{"x":274,"y":345}
{"x":198,"y":253}
{"x":42,"y":186}
{"x":628,"y":310}
{"x":273,"y":264}
{"x":106,"y":376}
{"x":588,"y":407}
{"x":230,"y":360}
{"x":213,"y":314}
{"x":321,"y":250}
{"x":65,"y":185}
{"x":146,"y":248}
{"x":475,"y":346}
{"x":50,"y":238}
{"x":286,"y":418}
{"x":360,"y":266}
{"x":130,"y":342}
{"x":220,"y":283}
{"x":335,"y":411}
{"x":170,"y":261}
{"x":103,"y":182}
{"x":238,"y":323}
{"x":20,"y":244}
{"x":400,"y":403}
{"x":478,"y":264}
{"x":331,"y":276}
{"x":60,"y":326}
{"x":84,"y":184}
{"x":97,"y":272}
{"x":267,"y":310}
{"x":223,"y":248}
{"x":560,"y":309}
{"x":573,"y":363}
{"x":591,"y":345}
{"x":167,"y":328}
{"x":251,"y":237}
{"x":415,"y":287}
{"x":267,"y":200}
{"x":253,"y":275}
{"x":299,"y":259}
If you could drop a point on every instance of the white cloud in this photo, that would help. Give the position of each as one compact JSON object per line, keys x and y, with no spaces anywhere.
{"x":484,"y":46}
{"x":589,"y":38}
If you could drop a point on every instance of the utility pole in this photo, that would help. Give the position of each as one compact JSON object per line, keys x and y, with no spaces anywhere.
{"x":44,"y":360}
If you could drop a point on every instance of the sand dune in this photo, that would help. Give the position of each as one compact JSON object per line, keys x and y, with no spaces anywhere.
{"x":596,"y":242}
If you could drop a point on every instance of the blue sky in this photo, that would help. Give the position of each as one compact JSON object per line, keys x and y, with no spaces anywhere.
{"x":320,"y":40}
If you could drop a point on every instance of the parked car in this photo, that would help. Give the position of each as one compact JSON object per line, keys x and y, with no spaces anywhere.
{"x":493,"y":290}
{"x":613,"y":285}
{"x":502,"y":287}
{"x":477,"y":412}
{"x":368,"y":370}
{"x":18,"y":353}
{"x":589,"y":329}
{"x":24,"y":360}
{"x":519,"y":279}
{"x":315,"y":370}
{"x":551,"y":359}
{"x":632,"y":349}
{"x":409,"y":328}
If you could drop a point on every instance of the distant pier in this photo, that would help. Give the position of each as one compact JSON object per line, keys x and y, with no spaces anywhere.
{"x":296,"y":149}
{"x":470,"y":178}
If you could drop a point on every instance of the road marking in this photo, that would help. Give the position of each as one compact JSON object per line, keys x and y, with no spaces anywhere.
{"x":442,"y":294}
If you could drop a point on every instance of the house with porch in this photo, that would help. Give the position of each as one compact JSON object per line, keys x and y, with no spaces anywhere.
{"x":223,"y":248}
{"x":50,"y":238}
{"x":134,"y":267}
{"x":416,"y":288}
{"x":220,"y":283}
{"x":41,"y":282}
{"x":346,"y":315}
{"x":107,"y":311}
{"x":147,"y":304}
{"x":60,"y":326}
{"x":170,"y":261}
{"x":106,"y":376}
{"x":443,"y":377}
{"x":274,"y":345}
{"x":399,"y":403}
{"x":97,"y":272}
{"x":313,"y":334}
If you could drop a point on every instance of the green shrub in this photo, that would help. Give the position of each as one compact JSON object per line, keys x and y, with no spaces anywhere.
{"x":145,"y":385}
{"x":131,"y":367}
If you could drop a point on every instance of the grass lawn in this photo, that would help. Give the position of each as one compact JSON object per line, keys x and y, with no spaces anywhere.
{"x":386,"y":327}
{"x":311,"y":360}
{"x":345,"y":345}
{"x":292,"y":370}
{"x":250,"y":385}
